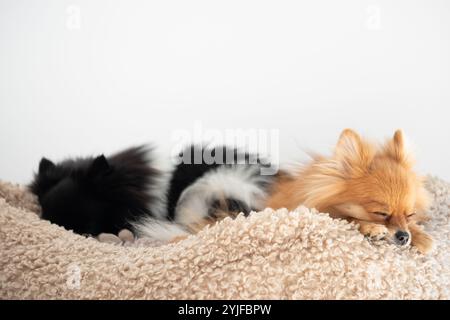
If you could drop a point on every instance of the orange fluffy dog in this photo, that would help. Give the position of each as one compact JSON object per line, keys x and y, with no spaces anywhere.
{"x":372,"y":185}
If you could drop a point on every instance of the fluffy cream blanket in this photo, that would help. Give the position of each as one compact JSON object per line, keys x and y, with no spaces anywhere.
{"x":270,"y":255}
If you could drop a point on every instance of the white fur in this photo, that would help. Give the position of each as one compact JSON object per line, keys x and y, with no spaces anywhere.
{"x":158,"y":190}
{"x":238,"y":182}
{"x":158,"y":229}
{"x":159,"y":187}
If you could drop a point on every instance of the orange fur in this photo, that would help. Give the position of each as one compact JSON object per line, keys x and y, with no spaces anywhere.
{"x":359,"y":181}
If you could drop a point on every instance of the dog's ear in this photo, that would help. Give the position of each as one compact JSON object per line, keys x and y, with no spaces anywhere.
{"x":396,"y":149}
{"x":45,"y":178}
{"x":100,"y":166}
{"x":45,"y":166}
{"x":353,"y":154}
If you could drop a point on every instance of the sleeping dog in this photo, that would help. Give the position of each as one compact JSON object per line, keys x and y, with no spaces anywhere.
{"x":128,"y":190}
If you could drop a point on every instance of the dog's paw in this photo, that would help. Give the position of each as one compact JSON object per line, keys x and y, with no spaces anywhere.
{"x":126,"y":235}
{"x":109,"y":238}
{"x":374,"y":231}
{"x":423,"y":242}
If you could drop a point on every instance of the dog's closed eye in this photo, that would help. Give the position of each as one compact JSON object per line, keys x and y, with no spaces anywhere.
{"x":382,"y":214}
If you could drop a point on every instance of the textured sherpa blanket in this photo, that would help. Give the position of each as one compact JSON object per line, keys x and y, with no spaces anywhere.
{"x":269,"y":255}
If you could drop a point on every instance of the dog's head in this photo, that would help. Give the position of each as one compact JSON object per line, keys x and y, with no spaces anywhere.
{"x":70,"y":193}
{"x":376,"y":183}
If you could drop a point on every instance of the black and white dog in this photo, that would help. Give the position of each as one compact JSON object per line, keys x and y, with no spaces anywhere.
{"x":128,"y":191}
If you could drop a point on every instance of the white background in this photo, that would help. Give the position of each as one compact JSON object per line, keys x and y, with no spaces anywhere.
{"x":85,"y":77}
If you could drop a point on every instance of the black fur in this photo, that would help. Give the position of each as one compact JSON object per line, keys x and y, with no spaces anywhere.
{"x":95,"y":195}
{"x":186,"y":173}
{"x":104,"y":195}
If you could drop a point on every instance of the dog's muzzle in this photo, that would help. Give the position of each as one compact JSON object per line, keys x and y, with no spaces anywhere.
{"x":401,"y":237}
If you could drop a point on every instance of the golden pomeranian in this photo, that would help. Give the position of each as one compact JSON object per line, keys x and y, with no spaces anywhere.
{"x":373,"y":185}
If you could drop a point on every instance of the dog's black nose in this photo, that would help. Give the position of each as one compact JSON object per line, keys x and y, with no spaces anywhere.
{"x":401,"y":237}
